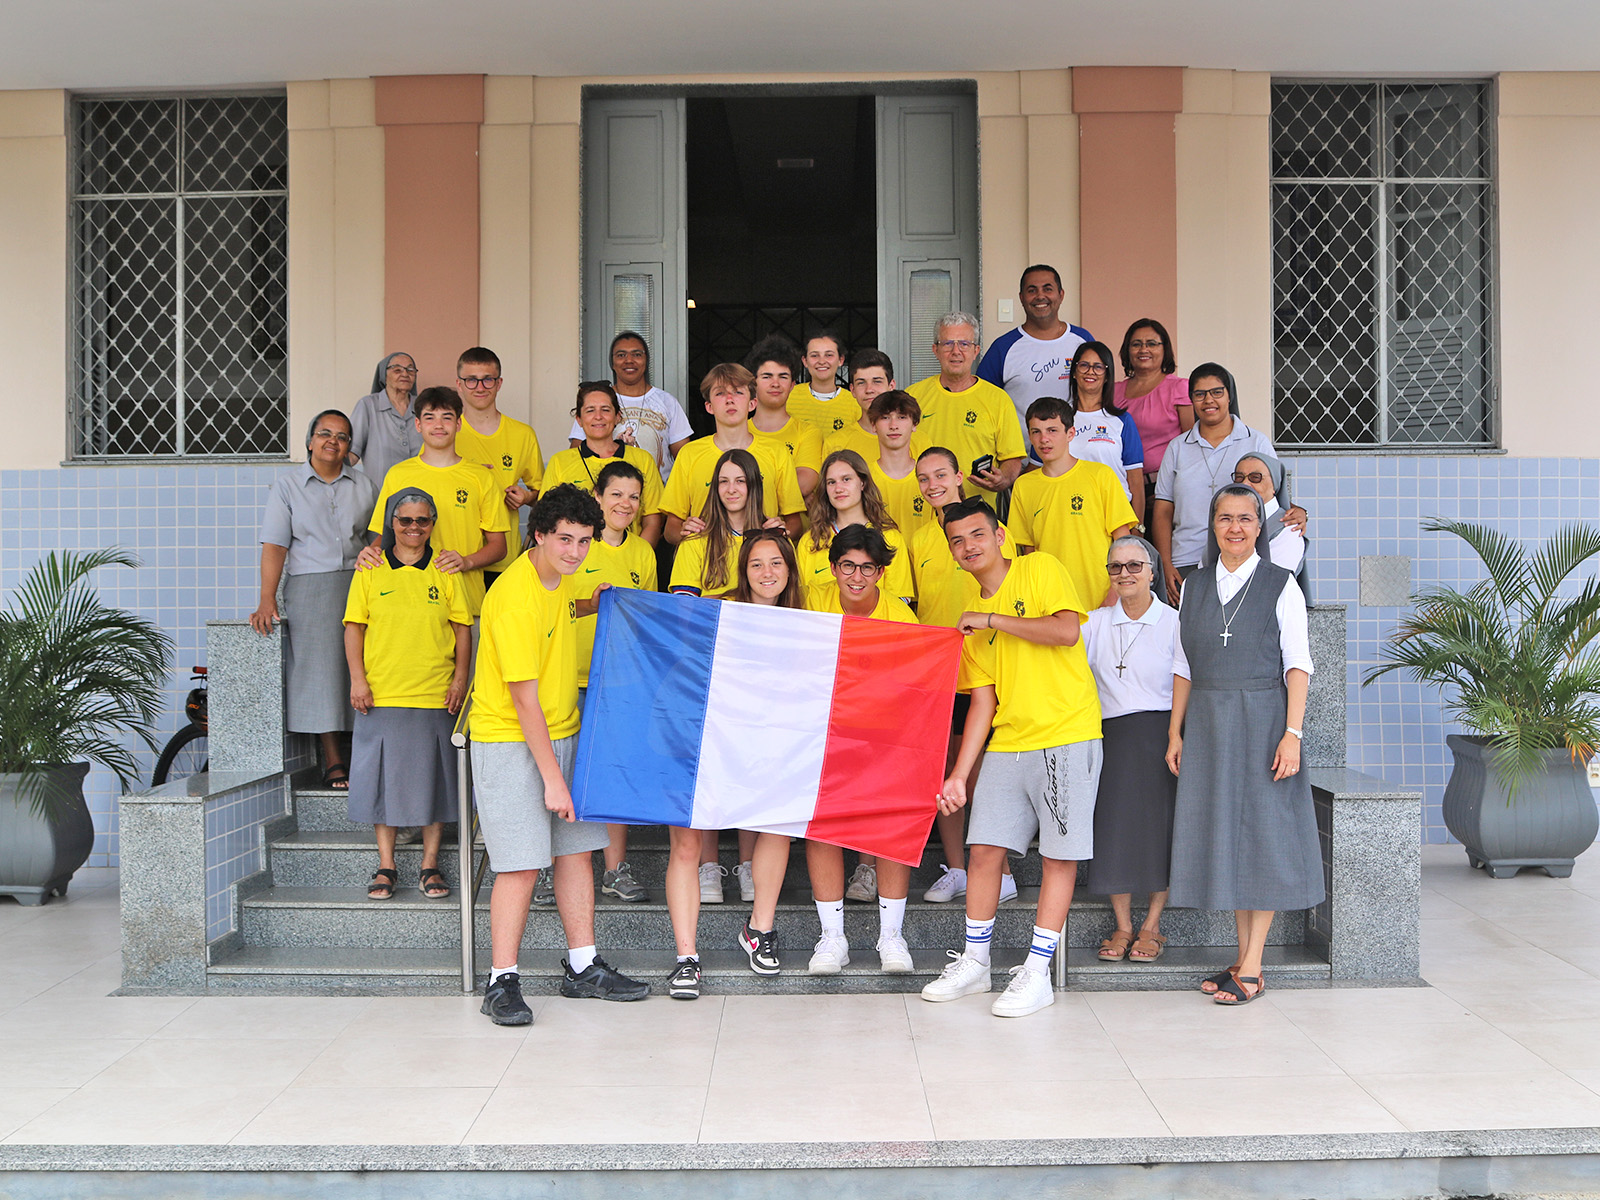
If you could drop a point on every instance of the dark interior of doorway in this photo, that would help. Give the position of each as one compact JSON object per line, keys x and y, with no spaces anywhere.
{"x":782,"y":224}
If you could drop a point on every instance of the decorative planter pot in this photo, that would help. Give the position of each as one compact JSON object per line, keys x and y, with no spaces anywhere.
{"x":1551,"y":821}
{"x":40,"y":853}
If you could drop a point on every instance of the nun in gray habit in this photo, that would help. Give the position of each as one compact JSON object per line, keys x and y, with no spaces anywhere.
{"x":1244,"y":828}
{"x":383,"y":430}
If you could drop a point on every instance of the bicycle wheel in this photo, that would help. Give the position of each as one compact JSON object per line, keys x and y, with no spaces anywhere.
{"x":186,"y":754}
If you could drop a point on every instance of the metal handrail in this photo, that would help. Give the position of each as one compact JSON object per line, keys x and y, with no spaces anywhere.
{"x":466,"y":833}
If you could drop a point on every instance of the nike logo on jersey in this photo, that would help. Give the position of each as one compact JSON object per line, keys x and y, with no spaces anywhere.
{"x":385,"y":593}
{"x":590,"y":570}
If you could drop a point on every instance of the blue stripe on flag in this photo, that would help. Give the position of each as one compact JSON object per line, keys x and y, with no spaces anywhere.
{"x":645,"y":711}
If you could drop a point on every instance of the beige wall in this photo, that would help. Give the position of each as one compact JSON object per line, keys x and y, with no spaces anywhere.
{"x":1225,"y":233}
{"x":1549,"y":260}
{"x":33,"y":277}
{"x":335,"y":248}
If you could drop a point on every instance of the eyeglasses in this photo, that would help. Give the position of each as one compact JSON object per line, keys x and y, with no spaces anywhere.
{"x":1131,"y":568}
{"x":402,"y":370}
{"x":1089,"y":368}
{"x":952,"y":346}
{"x":1143,"y":345}
{"x":866,"y":570}
{"x":329,"y":435}
{"x":1209,"y":394}
{"x":408,"y":522}
{"x":479,"y":382}
{"x":1252,"y":477}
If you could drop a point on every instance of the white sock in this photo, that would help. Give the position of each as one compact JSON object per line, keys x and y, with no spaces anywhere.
{"x":580,"y":958}
{"x":891,"y":916}
{"x":496,"y":972}
{"x":831,"y":914}
{"x":1043,"y":949}
{"x":979,"y":935}
{"x":683,"y":958}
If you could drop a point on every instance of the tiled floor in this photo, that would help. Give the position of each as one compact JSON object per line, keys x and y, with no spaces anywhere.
{"x":1508,"y":1036}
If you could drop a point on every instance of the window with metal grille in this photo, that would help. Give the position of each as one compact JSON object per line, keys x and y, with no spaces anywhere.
{"x":1382,"y":265}
{"x":180,"y":270}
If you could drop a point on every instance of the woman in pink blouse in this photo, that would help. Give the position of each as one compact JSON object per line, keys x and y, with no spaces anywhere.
{"x":1153,"y":394}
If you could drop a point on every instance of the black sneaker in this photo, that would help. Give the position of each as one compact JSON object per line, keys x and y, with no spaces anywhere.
{"x":600,"y":982}
{"x":762,"y":948}
{"x":684,"y":983}
{"x":503,"y":1003}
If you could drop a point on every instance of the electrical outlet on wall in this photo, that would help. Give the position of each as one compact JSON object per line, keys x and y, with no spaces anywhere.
{"x":1003,"y":311}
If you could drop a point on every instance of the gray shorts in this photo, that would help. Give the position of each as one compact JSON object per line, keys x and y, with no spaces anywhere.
{"x":1048,"y":792}
{"x":519,"y":832}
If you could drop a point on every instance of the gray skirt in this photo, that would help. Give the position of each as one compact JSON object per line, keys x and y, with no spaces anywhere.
{"x":317,"y":679}
{"x":1133,"y":814}
{"x":402,"y":767}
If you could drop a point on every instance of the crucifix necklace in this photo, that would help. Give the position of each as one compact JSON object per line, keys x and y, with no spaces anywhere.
{"x":1122,"y":658}
{"x":1227,"y":621}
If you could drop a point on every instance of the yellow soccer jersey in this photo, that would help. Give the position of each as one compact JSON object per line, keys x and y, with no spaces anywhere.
{"x":688,"y":568}
{"x":903,"y":499}
{"x":470,"y":505}
{"x":1072,"y":517}
{"x":630,"y":565}
{"x":511,"y":453}
{"x":1046,"y":693}
{"x":825,"y":598}
{"x":852,"y":437}
{"x":825,"y":416}
{"x":410,"y":647}
{"x":528,"y":632}
{"x":686,"y":490}
{"x":944,"y":590}
{"x":897,"y":580}
{"x":582,"y":470}
{"x":971,"y":423}
{"x":803,"y":443}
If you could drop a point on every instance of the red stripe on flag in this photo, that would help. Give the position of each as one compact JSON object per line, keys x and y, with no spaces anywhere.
{"x":894,"y":688}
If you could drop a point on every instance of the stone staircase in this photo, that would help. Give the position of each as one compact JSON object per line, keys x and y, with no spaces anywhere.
{"x":309,"y":927}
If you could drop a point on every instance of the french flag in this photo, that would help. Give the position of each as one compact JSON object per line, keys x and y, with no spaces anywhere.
{"x":718,"y":715}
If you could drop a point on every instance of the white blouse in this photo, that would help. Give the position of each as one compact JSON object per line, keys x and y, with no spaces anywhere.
{"x":1144,"y":647}
{"x":1294,"y":633}
{"x":1288,"y":545}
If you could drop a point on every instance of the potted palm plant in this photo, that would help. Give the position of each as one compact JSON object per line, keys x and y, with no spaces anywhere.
{"x":1516,"y":660}
{"x":77,"y":676}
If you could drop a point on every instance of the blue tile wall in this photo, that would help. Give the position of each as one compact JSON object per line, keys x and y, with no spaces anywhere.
{"x":233,"y":844}
{"x":195,"y":528}
{"x":1360,"y":506}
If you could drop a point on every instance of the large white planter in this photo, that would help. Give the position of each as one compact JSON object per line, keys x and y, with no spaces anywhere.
{"x":1549,"y":823}
{"x":40,"y":852}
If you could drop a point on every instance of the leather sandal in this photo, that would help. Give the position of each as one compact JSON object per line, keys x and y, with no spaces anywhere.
{"x":432,"y":884}
{"x":1232,"y":993}
{"x":1115,"y":947}
{"x":1211,"y":983}
{"x":1147,"y":947}
{"x":382,"y":884}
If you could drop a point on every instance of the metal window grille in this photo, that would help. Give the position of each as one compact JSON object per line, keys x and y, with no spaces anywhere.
{"x":1382,"y":264}
{"x":180,"y":301}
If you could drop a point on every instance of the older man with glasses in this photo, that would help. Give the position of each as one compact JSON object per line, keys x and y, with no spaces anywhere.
{"x":970,"y":417}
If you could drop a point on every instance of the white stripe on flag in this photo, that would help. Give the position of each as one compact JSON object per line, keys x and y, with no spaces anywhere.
{"x":766,"y":721}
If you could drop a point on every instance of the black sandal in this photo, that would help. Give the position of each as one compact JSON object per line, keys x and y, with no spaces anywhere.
{"x":382,"y":884}
{"x":433,"y":891}
{"x":1235,"y":993}
{"x":339,"y":782}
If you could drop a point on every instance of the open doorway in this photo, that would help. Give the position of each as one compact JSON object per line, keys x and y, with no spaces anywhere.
{"x":782,"y":224}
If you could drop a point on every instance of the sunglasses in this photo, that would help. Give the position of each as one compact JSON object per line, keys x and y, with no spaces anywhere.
{"x":1252,"y":477}
{"x":409,"y":522}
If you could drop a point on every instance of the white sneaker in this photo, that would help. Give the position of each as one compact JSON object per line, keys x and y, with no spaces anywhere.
{"x":1008,"y":888}
{"x":747,"y":882}
{"x":948,"y":886}
{"x":894,"y":955}
{"x":962,"y":976}
{"x":831,"y":956}
{"x":863,"y":887}
{"x":1028,"y":992}
{"x":711,"y":883}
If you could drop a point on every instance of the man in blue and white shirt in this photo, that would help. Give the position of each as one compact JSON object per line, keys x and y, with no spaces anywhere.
{"x":1035,"y":359}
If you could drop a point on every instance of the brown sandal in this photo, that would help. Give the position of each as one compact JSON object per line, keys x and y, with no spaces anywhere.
{"x":1115,"y":947}
{"x":1211,"y":983}
{"x":1147,"y":947}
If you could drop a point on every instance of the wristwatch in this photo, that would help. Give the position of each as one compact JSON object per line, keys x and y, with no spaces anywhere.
{"x":1293,"y":730}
